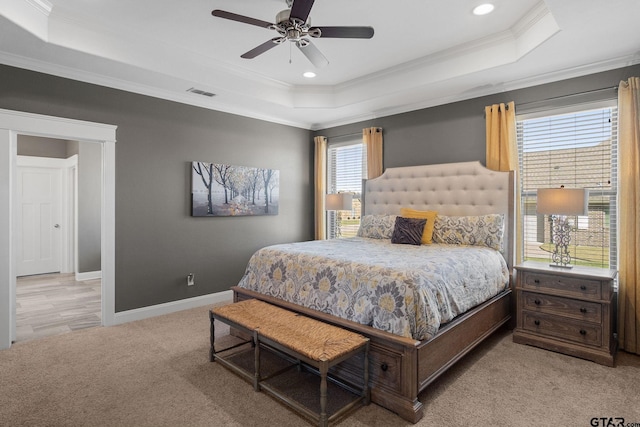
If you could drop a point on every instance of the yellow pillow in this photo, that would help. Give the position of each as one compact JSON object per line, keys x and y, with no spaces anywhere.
{"x":430,"y":216}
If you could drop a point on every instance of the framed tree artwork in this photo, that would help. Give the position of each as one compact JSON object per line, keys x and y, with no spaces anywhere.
{"x":219,"y":189}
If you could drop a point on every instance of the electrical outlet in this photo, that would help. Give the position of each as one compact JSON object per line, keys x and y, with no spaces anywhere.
{"x":191,"y":279}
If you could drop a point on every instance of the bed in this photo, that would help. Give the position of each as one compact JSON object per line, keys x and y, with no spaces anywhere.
{"x":410,"y":348}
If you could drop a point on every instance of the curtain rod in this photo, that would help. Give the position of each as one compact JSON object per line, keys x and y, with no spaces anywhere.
{"x":346,"y":135}
{"x":351,"y":135}
{"x":603,"y":89}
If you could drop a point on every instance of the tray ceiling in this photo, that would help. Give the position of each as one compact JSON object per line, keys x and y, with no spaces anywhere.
{"x":422,"y":53}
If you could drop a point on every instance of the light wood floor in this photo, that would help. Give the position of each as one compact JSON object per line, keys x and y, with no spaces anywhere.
{"x":52,"y":304}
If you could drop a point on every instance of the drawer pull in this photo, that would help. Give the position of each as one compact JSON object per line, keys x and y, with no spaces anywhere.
{"x":583,"y":332}
{"x":536,"y":302}
{"x":583,"y":288}
{"x":536,"y":281}
{"x":583,"y":310}
{"x":536,"y":322}
{"x":384,"y":367}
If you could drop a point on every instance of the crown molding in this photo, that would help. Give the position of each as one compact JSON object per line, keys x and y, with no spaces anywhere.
{"x":569,"y":73}
{"x":43,"y":6}
{"x":141,"y":89}
{"x":344,"y":119}
{"x":31,"y":15}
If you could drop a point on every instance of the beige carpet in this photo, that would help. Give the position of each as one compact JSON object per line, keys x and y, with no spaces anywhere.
{"x":156,"y":372}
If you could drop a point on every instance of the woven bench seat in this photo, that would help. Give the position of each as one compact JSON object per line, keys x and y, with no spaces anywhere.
{"x":316,"y":340}
{"x":315,"y":343}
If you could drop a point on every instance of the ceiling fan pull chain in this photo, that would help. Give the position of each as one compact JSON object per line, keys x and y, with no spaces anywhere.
{"x":290,"y":48}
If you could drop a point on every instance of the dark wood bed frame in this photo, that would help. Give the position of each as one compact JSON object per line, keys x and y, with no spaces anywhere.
{"x":401,"y":368}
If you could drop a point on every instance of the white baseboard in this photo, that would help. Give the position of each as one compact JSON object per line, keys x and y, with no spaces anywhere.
{"x":171,"y":307}
{"x":89,"y":275}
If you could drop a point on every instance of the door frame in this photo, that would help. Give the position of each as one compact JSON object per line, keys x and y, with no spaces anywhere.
{"x":67,"y":200}
{"x":13,"y":123}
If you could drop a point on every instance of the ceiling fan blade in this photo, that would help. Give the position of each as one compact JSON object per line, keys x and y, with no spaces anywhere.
{"x":259,"y":49}
{"x":301,"y":9}
{"x":240,"y":18}
{"x":313,"y":54}
{"x":346,"y":32}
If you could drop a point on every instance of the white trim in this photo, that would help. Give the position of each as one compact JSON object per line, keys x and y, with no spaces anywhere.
{"x":89,"y":275}
{"x":68,"y":217}
{"x":43,"y":6}
{"x":108,"y":234}
{"x":32,"y":15}
{"x":172,"y":307}
{"x":46,"y":162}
{"x":13,"y":123}
{"x":72,"y":226}
{"x":56,"y":127}
{"x":8,"y":148}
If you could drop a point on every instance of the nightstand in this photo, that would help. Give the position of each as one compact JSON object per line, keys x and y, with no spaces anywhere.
{"x":566,"y":310}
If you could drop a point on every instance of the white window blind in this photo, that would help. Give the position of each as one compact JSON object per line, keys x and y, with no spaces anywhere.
{"x":577,"y":149}
{"x":347,"y":166}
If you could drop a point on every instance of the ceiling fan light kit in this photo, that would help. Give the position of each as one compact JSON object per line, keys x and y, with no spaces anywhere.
{"x":294,"y":25}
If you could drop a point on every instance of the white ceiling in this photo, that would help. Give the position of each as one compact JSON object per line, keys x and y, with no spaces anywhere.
{"x":423,"y":53}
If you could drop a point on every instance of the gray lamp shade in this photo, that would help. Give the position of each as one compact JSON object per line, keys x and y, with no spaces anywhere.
{"x":563,"y":201}
{"x":339,"y":202}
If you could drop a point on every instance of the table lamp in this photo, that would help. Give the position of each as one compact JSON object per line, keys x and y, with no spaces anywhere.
{"x":339,"y":202}
{"x":560,"y":203}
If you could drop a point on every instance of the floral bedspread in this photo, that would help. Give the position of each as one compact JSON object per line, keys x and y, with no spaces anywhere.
{"x":403,"y":289}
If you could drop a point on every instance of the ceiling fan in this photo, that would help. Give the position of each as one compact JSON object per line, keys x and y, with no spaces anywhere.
{"x":294,"y":25}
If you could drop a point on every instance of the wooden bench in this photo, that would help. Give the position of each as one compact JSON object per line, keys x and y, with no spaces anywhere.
{"x":308,"y":341}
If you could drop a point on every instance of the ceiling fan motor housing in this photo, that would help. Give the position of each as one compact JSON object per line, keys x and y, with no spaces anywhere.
{"x":293,"y":29}
{"x":283,"y":16}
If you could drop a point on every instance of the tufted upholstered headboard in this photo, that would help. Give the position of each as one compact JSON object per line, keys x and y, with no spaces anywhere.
{"x":454,"y":189}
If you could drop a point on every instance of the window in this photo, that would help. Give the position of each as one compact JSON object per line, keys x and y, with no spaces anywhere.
{"x":575,"y":147}
{"x":346,"y":168}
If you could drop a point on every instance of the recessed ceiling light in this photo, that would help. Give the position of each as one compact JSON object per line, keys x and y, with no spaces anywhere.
{"x":309,"y":74}
{"x":483,"y":9}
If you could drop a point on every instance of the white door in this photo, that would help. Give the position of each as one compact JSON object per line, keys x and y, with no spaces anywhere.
{"x":38,"y":195}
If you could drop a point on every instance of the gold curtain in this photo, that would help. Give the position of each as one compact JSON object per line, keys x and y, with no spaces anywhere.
{"x":320,"y":174}
{"x":372,"y":139}
{"x":502,"y":153}
{"x":629,"y":179}
{"x":502,"y":146}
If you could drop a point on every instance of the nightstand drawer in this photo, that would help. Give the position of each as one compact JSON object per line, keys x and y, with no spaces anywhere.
{"x":575,"y":309}
{"x":569,"y":310}
{"x":561,"y":327}
{"x":568,"y":286}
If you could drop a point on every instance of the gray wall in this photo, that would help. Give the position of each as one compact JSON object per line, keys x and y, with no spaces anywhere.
{"x":157,"y":241}
{"x":36,"y":146}
{"x":456,"y":132}
{"x":89,"y":206}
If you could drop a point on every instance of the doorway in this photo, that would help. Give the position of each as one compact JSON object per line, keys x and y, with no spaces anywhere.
{"x":12,"y":124}
{"x":58,"y":198}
